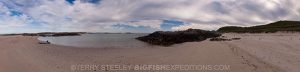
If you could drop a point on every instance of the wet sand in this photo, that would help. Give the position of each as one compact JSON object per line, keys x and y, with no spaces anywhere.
{"x":253,"y":53}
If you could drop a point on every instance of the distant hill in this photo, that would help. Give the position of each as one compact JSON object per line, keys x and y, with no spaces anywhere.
{"x":293,"y":26}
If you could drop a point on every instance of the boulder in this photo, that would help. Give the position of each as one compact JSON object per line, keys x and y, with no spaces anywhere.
{"x":167,"y":38}
{"x":223,"y":39}
{"x":219,"y":39}
{"x":236,"y":38}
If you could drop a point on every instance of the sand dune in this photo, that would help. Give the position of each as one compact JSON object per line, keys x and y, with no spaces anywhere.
{"x":253,"y":53}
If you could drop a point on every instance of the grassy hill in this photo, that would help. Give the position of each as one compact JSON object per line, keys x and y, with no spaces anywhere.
{"x":293,"y":26}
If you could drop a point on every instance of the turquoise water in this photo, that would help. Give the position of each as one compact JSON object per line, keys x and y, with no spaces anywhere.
{"x":99,"y":41}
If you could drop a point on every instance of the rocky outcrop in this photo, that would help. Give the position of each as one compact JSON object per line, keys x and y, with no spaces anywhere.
{"x":167,"y":38}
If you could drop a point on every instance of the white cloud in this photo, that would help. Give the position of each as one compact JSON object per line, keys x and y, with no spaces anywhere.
{"x":6,"y":20}
{"x":146,"y":23}
{"x":199,"y":26}
{"x":58,"y":15}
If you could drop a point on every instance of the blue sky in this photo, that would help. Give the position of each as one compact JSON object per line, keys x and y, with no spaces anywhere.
{"x":18,"y":16}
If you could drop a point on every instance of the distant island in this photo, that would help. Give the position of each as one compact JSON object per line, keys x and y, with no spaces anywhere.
{"x":284,"y":26}
{"x":53,"y":34}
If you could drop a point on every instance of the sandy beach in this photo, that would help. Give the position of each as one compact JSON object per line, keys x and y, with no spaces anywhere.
{"x":277,"y":52}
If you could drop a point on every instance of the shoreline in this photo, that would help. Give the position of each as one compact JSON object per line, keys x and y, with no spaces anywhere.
{"x":20,"y":53}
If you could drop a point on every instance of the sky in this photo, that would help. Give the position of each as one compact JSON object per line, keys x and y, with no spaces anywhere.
{"x":19,"y":16}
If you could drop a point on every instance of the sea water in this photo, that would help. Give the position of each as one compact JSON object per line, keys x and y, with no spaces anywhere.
{"x":99,"y":40}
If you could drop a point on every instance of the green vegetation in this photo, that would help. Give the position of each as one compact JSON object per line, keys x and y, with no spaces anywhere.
{"x":293,"y":26}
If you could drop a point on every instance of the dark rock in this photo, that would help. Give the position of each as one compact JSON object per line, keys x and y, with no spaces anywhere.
{"x":167,"y":38}
{"x":219,"y":39}
{"x":223,"y":39}
{"x":235,"y":38}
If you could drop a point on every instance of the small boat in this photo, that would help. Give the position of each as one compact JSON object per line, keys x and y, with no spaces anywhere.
{"x":44,"y":42}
